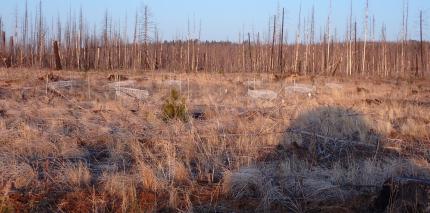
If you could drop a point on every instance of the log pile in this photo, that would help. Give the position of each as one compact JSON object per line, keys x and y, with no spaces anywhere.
{"x":137,"y":94}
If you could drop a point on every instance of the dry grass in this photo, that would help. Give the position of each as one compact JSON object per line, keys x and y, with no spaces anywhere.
{"x":125,"y":156}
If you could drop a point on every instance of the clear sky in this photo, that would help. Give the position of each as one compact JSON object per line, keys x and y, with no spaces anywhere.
{"x":224,"y":19}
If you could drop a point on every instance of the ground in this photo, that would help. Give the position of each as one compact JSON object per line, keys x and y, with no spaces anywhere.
{"x":74,"y":141}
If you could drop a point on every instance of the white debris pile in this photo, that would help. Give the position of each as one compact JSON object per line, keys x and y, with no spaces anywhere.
{"x":138,"y":94}
{"x":64,"y":84}
{"x":262,"y":94}
{"x":334,"y":86}
{"x":301,"y":88}
{"x":127,"y":83}
{"x":124,"y":89}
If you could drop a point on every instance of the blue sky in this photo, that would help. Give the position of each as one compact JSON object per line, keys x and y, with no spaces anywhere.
{"x":224,"y":19}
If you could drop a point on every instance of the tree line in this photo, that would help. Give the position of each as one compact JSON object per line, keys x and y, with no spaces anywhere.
{"x":75,"y":45}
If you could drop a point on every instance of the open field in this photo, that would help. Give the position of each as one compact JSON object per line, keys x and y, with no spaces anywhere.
{"x":214,"y":106}
{"x":79,"y":142}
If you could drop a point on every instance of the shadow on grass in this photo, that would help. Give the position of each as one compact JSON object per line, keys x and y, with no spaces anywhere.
{"x":330,"y":159}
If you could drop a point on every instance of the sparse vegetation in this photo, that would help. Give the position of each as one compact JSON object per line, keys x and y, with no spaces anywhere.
{"x":335,"y":151}
{"x":258,"y":125}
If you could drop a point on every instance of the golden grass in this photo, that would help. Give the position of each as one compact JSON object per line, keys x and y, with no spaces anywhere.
{"x":131,"y":159}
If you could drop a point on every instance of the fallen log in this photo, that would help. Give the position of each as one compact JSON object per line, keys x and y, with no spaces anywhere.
{"x":64,"y":84}
{"x":132,"y":93}
{"x":126,"y":83}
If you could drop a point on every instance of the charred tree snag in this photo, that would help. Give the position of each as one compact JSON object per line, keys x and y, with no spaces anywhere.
{"x":3,"y":40}
{"x":57,"y":56}
{"x":10,"y":58}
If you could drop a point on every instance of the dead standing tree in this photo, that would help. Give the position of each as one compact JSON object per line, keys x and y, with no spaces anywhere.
{"x":144,"y":25}
{"x":3,"y":40}
{"x":272,"y":55}
{"x":423,"y":67}
{"x":366,"y":23}
{"x":40,"y":37}
{"x":57,"y":56}
{"x":281,"y":43}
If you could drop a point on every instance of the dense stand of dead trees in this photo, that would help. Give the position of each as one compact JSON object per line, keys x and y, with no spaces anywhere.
{"x":76,"y":46}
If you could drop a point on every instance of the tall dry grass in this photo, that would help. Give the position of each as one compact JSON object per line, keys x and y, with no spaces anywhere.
{"x":123,"y":156}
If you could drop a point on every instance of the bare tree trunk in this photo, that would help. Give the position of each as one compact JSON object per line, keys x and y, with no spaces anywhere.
{"x":193,"y":55}
{"x":307,"y":41}
{"x":296,"y":58}
{"x":281,"y":44}
{"x":25,"y":33}
{"x":250,"y":53}
{"x":198,"y":47}
{"x":1,"y":33}
{"x":365,"y":37}
{"x":350,"y":42}
{"x":3,"y":40}
{"x":312,"y":39}
{"x":356,"y":67}
{"x":404,"y":36}
{"x":328,"y":37}
{"x":272,"y":56}
{"x":98,"y":58}
{"x":188,"y":46}
{"x":243,"y":53}
{"x":57,"y":56}
{"x":11,"y":57}
{"x":384,"y":53}
{"x":422,"y":44}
